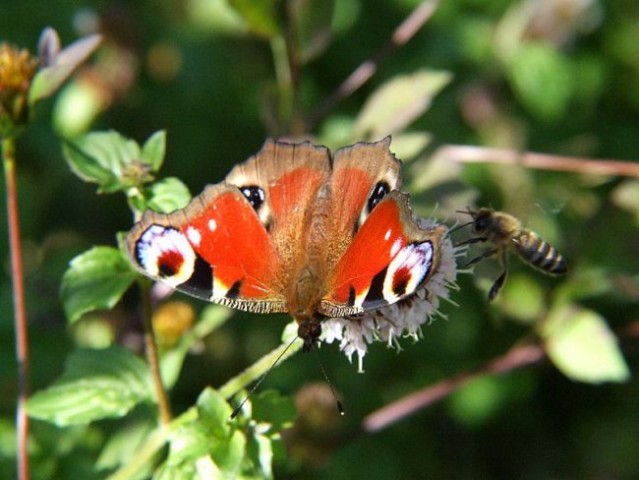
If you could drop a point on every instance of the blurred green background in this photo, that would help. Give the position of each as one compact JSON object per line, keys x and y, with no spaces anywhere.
{"x":553,"y":76}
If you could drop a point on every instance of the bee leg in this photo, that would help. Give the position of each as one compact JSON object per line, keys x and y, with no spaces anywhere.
{"x":494,"y":290}
{"x":486,"y":254}
{"x":470,"y":241}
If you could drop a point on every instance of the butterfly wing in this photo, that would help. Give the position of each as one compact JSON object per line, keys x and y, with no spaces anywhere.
{"x":388,"y":259}
{"x":216,"y":249}
{"x":236,"y":243}
{"x":290,"y":177}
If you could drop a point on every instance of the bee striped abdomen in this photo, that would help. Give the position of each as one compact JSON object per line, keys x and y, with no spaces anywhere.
{"x":539,"y":253}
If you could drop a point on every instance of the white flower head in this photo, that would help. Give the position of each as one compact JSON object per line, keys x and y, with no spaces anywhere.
{"x":402,"y":319}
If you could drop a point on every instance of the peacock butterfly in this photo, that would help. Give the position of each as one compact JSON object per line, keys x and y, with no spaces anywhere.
{"x":295,"y":229}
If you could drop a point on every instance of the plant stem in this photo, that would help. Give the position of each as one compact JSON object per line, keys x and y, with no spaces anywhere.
{"x":285,"y":85}
{"x":518,"y":357}
{"x":155,"y":442}
{"x":151,"y":351}
{"x":259,"y":368}
{"x":20,"y":316}
{"x":402,"y":34}
{"x":542,"y":161}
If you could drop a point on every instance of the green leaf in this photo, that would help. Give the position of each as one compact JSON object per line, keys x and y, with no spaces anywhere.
{"x":59,"y":65}
{"x":214,"y":412}
{"x":168,"y":195}
{"x":227,"y":445}
{"x":260,"y":452}
{"x":171,"y":361}
{"x":398,"y":102}
{"x":96,"y":384}
{"x":154,"y":150}
{"x":123,"y":445}
{"x":260,"y":15}
{"x":582,"y":346}
{"x":626,"y":196}
{"x":542,"y":79}
{"x":207,"y":447}
{"x":111,"y":160}
{"x":275,"y":409}
{"x":95,"y":279}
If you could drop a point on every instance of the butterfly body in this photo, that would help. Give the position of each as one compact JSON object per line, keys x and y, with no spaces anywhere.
{"x":295,"y":229}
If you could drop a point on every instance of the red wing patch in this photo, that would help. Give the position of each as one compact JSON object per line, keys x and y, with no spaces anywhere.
{"x":216,"y":248}
{"x":382,"y":264}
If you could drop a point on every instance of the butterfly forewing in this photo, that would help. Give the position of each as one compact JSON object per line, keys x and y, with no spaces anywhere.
{"x":389,"y":258}
{"x":216,"y":249}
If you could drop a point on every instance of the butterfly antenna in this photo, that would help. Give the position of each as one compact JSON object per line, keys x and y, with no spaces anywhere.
{"x":340,"y":407}
{"x":261,"y":379}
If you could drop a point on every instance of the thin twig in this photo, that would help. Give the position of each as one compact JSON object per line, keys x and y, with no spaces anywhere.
{"x":516,"y":358}
{"x":402,"y":34}
{"x":20,"y":316}
{"x":259,"y":368}
{"x":472,"y":154}
{"x":152,"y":357}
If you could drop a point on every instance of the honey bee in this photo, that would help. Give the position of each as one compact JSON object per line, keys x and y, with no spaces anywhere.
{"x":503,"y":232}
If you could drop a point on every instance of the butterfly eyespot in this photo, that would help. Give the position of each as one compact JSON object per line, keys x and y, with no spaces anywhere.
{"x":379,"y":192}
{"x":164,"y":252}
{"x":255,"y":196}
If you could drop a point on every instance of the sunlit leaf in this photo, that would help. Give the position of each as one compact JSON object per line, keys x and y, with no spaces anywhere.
{"x":260,"y":15}
{"x":216,"y":16}
{"x":76,"y":107}
{"x":582,"y":346}
{"x":154,"y":149}
{"x":407,"y":145}
{"x":112,"y":161}
{"x":626,"y":196}
{"x":122,"y":446}
{"x":168,"y":195}
{"x":95,"y":279}
{"x":96,"y":384}
{"x":399,"y":102}
{"x":542,"y":79}
{"x":260,"y":451}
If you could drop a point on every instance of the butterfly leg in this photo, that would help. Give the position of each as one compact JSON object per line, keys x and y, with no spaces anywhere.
{"x":494,"y":290}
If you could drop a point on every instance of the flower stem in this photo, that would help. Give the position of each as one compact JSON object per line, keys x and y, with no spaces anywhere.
{"x":20,"y":317}
{"x":152,"y":357}
{"x":259,"y":368}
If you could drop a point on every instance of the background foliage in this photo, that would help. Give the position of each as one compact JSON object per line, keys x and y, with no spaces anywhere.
{"x":555,"y":76}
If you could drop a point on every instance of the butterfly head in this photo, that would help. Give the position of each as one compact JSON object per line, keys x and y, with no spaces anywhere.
{"x":309,"y":330}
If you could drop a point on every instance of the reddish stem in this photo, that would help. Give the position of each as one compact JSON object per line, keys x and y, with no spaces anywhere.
{"x":152,"y":355}
{"x":20,"y":317}
{"x":542,"y":161}
{"x":402,"y":34}
{"x":516,"y":358}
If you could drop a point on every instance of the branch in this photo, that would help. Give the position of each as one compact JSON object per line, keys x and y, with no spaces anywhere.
{"x":20,"y":316}
{"x":402,"y":34}
{"x":151,"y":352}
{"x":472,"y":154}
{"x":516,"y":358}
